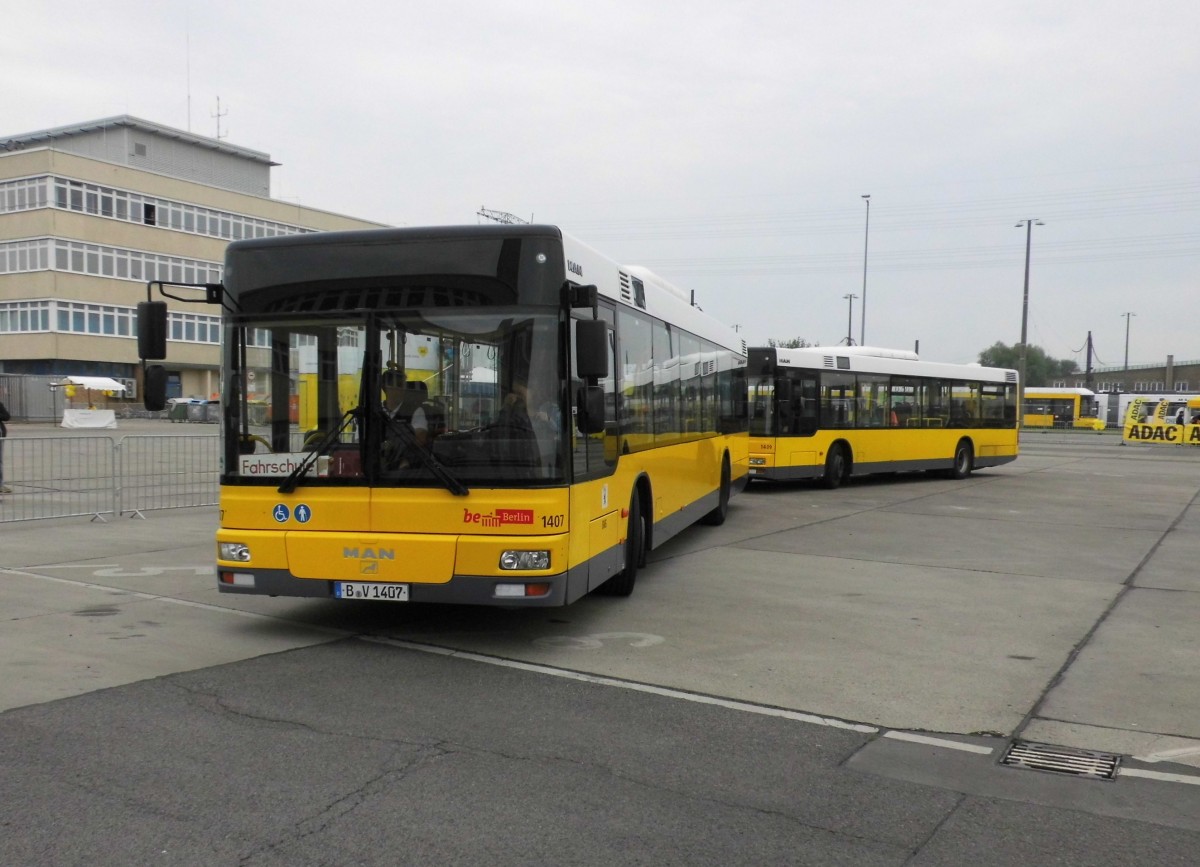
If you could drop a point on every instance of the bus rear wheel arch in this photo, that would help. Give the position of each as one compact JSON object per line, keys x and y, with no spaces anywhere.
{"x":837,"y":466}
{"x":716,"y":517}
{"x":964,"y":460}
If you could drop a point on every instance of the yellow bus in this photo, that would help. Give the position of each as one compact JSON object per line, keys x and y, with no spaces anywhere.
{"x":830,"y":413}
{"x":491,"y":415}
{"x":1062,"y":408}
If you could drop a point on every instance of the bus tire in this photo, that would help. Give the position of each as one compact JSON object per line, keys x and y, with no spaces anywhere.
{"x":622,"y":583}
{"x":964,"y":460}
{"x":716,"y":517}
{"x":835,"y":467}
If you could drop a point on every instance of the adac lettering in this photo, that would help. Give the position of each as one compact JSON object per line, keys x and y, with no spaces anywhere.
{"x":369,"y":553}
{"x":1169,"y":433}
{"x":1153,"y":433}
{"x":499,"y":517}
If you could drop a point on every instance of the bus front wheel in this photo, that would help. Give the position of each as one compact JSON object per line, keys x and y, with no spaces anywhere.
{"x":964,"y":460}
{"x":622,"y":583}
{"x":835,"y":468}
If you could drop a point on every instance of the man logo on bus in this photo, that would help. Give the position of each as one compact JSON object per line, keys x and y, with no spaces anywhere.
{"x":368,"y":553}
{"x":498,"y":518}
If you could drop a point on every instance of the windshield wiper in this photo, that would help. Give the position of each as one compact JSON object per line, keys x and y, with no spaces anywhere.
{"x":431,"y":463}
{"x":289,"y":484}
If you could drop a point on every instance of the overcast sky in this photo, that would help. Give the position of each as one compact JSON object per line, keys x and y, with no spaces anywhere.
{"x":725,"y":145}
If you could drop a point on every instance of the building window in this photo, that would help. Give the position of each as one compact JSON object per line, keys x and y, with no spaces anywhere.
{"x":133,"y":207}
{"x":24,"y":194}
{"x":18,"y":257}
{"x":105,"y":320}
{"x":18,"y":317}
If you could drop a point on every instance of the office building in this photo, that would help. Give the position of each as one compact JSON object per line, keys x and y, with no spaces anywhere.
{"x":90,"y":212}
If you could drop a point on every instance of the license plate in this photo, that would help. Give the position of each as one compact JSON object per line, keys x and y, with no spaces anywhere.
{"x":363,"y":590}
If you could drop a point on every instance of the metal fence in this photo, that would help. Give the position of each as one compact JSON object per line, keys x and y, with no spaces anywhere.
{"x":97,"y":476}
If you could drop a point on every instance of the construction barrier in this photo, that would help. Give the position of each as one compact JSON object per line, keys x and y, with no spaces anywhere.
{"x":99,"y":477}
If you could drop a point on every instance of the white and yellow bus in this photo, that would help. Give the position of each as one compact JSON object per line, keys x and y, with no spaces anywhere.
{"x":491,"y":415}
{"x":830,"y":413}
{"x":1062,"y":408}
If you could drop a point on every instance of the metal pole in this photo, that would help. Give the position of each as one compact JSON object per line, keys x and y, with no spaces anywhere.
{"x":1025,"y":309}
{"x":850,"y":319}
{"x":862,"y":334}
{"x":1127,"y":315}
{"x":1028,"y":224}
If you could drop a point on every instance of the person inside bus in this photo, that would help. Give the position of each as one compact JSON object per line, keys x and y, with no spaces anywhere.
{"x":406,"y":403}
{"x":1181,"y":416}
{"x":528,"y":424}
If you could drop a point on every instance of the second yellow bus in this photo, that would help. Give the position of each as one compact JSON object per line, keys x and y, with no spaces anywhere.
{"x":831,"y":413}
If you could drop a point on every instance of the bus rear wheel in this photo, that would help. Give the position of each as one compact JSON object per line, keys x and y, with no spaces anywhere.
{"x":622,"y":583}
{"x":964,"y":461}
{"x":835,"y":468}
{"x":716,"y":517}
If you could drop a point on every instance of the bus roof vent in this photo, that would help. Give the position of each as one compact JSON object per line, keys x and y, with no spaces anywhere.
{"x":828,"y":361}
{"x":1010,"y":376}
{"x":626,"y":293}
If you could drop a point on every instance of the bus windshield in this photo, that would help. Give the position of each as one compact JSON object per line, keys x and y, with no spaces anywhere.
{"x":441,"y":397}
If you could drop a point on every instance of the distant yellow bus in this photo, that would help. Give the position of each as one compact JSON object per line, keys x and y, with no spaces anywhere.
{"x":830,"y":413}
{"x":1062,"y":408}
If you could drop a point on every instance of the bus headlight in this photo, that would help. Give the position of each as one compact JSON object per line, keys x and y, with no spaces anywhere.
{"x":236,"y":551}
{"x":512,"y":560}
{"x":758,"y":462}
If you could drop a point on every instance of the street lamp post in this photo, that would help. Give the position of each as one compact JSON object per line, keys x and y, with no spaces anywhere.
{"x":862,"y":334}
{"x":1028,"y":224}
{"x":1127,"y":315}
{"x":850,"y":319}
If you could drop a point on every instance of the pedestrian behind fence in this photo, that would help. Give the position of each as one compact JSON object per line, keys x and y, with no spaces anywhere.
{"x":4,"y":416}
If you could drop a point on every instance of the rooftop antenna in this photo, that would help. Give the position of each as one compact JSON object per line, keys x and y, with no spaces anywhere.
{"x":220,"y":114}
{"x":187,"y":33}
{"x":502,"y":217}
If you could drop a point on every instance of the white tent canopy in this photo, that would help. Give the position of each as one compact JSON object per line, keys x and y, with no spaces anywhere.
{"x":96,"y":383}
{"x":88,"y":418}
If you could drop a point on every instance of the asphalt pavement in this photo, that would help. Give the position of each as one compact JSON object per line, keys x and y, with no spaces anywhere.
{"x":830,"y":677}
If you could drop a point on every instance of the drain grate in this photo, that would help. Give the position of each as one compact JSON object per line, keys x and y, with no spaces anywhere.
{"x":1061,"y":760}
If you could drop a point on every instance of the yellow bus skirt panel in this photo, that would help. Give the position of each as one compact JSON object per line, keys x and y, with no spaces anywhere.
{"x":407,"y":557}
{"x":480,"y":555}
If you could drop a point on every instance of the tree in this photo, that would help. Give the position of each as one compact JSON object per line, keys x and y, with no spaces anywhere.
{"x":1040,"y":368}
{"x":794,"y":343}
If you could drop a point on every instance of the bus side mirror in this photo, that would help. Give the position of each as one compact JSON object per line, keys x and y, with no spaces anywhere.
{"x":154,"y":387}
{"x":590,"y":404}
{"x":152,"y":329}
{"x":591,"y":349}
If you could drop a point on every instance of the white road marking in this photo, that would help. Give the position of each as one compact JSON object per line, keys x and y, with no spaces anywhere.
{"x":1159,"y":775}
{"x":626,"y":684}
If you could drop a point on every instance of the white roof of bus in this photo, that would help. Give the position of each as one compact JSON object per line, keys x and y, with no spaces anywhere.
{"x":663,"y":299}
{"x":1053,"y":390}
{"x":898,"y":363}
